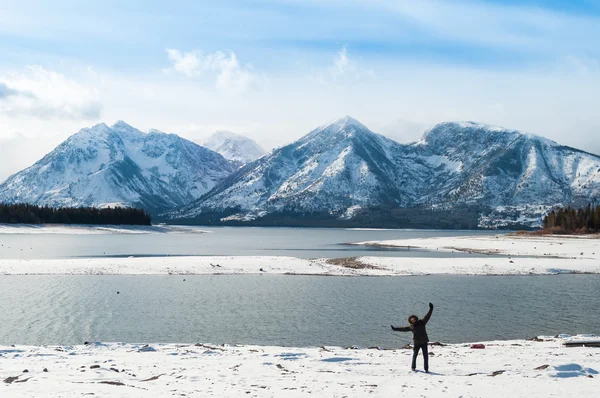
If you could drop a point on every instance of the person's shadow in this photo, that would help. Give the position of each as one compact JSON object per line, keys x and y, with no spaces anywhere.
{"x":429,"y":373}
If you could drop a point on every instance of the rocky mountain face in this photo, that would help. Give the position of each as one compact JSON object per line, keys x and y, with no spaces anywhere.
{"x":119,"y":165}
{"x":343,"y":167}
{"x":234,"y":147}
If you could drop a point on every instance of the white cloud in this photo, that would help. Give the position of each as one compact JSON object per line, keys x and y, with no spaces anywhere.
{"x":344,"y":67}
{"x":190,"y":64}
{"x":225,"y":67}
{"x":40,"y":93}
{"x":11,"y":152}
{"x":342,"y":63}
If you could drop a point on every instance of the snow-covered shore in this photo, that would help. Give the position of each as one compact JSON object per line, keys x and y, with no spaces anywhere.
{"x":363,"y":266}
{"x":192,"y":265}
{"x":509,"y":255}
{"x":544,"y":246}
{"x":503,"y":368}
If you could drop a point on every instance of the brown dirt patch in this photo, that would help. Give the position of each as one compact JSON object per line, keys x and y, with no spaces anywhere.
{"x":476,"y":251}
{"x":350,"y":262}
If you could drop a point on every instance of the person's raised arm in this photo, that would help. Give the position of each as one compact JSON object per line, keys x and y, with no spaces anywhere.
{"x":401,"y":329}
{"x":426,"y":318}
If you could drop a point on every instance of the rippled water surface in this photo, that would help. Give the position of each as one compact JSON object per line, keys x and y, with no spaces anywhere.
{"x":291,"y":310}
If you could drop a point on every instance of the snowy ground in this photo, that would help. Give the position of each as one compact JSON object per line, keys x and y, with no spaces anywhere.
{"x":546,"y":246}
{"x":93,"y":229}
{"x":363,"y":266}
{"x":503,"y":368}
{"x":510,"y":255}
{"x":197,"y":265}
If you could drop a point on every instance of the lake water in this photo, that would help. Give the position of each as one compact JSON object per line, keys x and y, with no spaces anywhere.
{"x":291,"y":310}
{"x":221,"y":241}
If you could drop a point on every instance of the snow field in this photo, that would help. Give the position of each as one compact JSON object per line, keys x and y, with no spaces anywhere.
{"x":516,"y":368}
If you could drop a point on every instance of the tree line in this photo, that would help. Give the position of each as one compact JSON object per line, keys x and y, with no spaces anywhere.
{"x":569,"y":220}
{"x":23,"y":213}
{"x":460,"y":217}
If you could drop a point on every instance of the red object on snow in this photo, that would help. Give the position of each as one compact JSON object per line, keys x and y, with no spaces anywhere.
{"x":478,"y":346}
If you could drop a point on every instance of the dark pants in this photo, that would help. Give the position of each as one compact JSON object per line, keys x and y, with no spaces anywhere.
{"x":422,"y":347}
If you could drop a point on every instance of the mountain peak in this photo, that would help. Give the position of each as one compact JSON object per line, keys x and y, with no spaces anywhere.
{"x":347,"y":126}
{"x":345,"y":122}
{"x":126,"y":131}
{"x":224,"y":134}
{"x":96,"y":127}
{"x":234,"y":147}
{"x":97,"y":130}
{"x":121,"y":125}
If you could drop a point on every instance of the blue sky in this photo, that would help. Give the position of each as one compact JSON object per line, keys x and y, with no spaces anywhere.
{"x":133,"y":34}
{"x":275,"y":69}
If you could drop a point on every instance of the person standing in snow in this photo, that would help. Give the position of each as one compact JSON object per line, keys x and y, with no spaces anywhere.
{"x":420,"y":338}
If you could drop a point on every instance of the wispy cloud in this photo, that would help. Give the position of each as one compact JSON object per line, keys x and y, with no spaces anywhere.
{"x":342,"y":64}
{"x":6,"y":91}
{"x":224,"y":66}
{"x":41,"y":93}
{"x":343,"y":67}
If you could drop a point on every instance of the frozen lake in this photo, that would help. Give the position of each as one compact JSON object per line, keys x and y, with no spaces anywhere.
{"x":220,"y":241}
{"x":291,"y":310}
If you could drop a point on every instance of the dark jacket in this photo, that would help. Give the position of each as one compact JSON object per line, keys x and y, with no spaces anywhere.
{"x":418,"y":328}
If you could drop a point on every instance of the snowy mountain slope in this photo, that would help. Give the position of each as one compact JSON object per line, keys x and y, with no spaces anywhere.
{"x":234,"y":147}
{"x":499,"y":167}
{"x":119,"y":165}
{"x":342,"y":167}
{"x":336,"y":167}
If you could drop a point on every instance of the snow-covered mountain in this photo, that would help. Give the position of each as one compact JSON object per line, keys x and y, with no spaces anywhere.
{"x":119,"y":165}
{"x":336,"y":168}
{"x":234,"y":147}
{"x":509,"y":169}
{"x":341,"y":167}
{"x":340,"y":170}
{"x":518,"y":176}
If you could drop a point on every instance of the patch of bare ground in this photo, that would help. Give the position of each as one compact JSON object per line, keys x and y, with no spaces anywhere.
{"x":384,"y":245}
{"x":112,"y":383}
{"x":475,"y":251}
{"x":153,"y":377}
{"x":350,"y":262}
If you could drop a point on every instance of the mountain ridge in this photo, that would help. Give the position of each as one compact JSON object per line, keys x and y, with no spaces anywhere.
{"x":454,"y":163}
{"x":339,"y":171}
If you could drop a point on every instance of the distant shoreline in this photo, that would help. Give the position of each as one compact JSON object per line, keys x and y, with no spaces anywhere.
{"x":93,"y":229}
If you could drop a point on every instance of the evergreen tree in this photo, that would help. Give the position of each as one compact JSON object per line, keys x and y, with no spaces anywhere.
{"x":569,"y":220}
{"x":23,"y":213}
